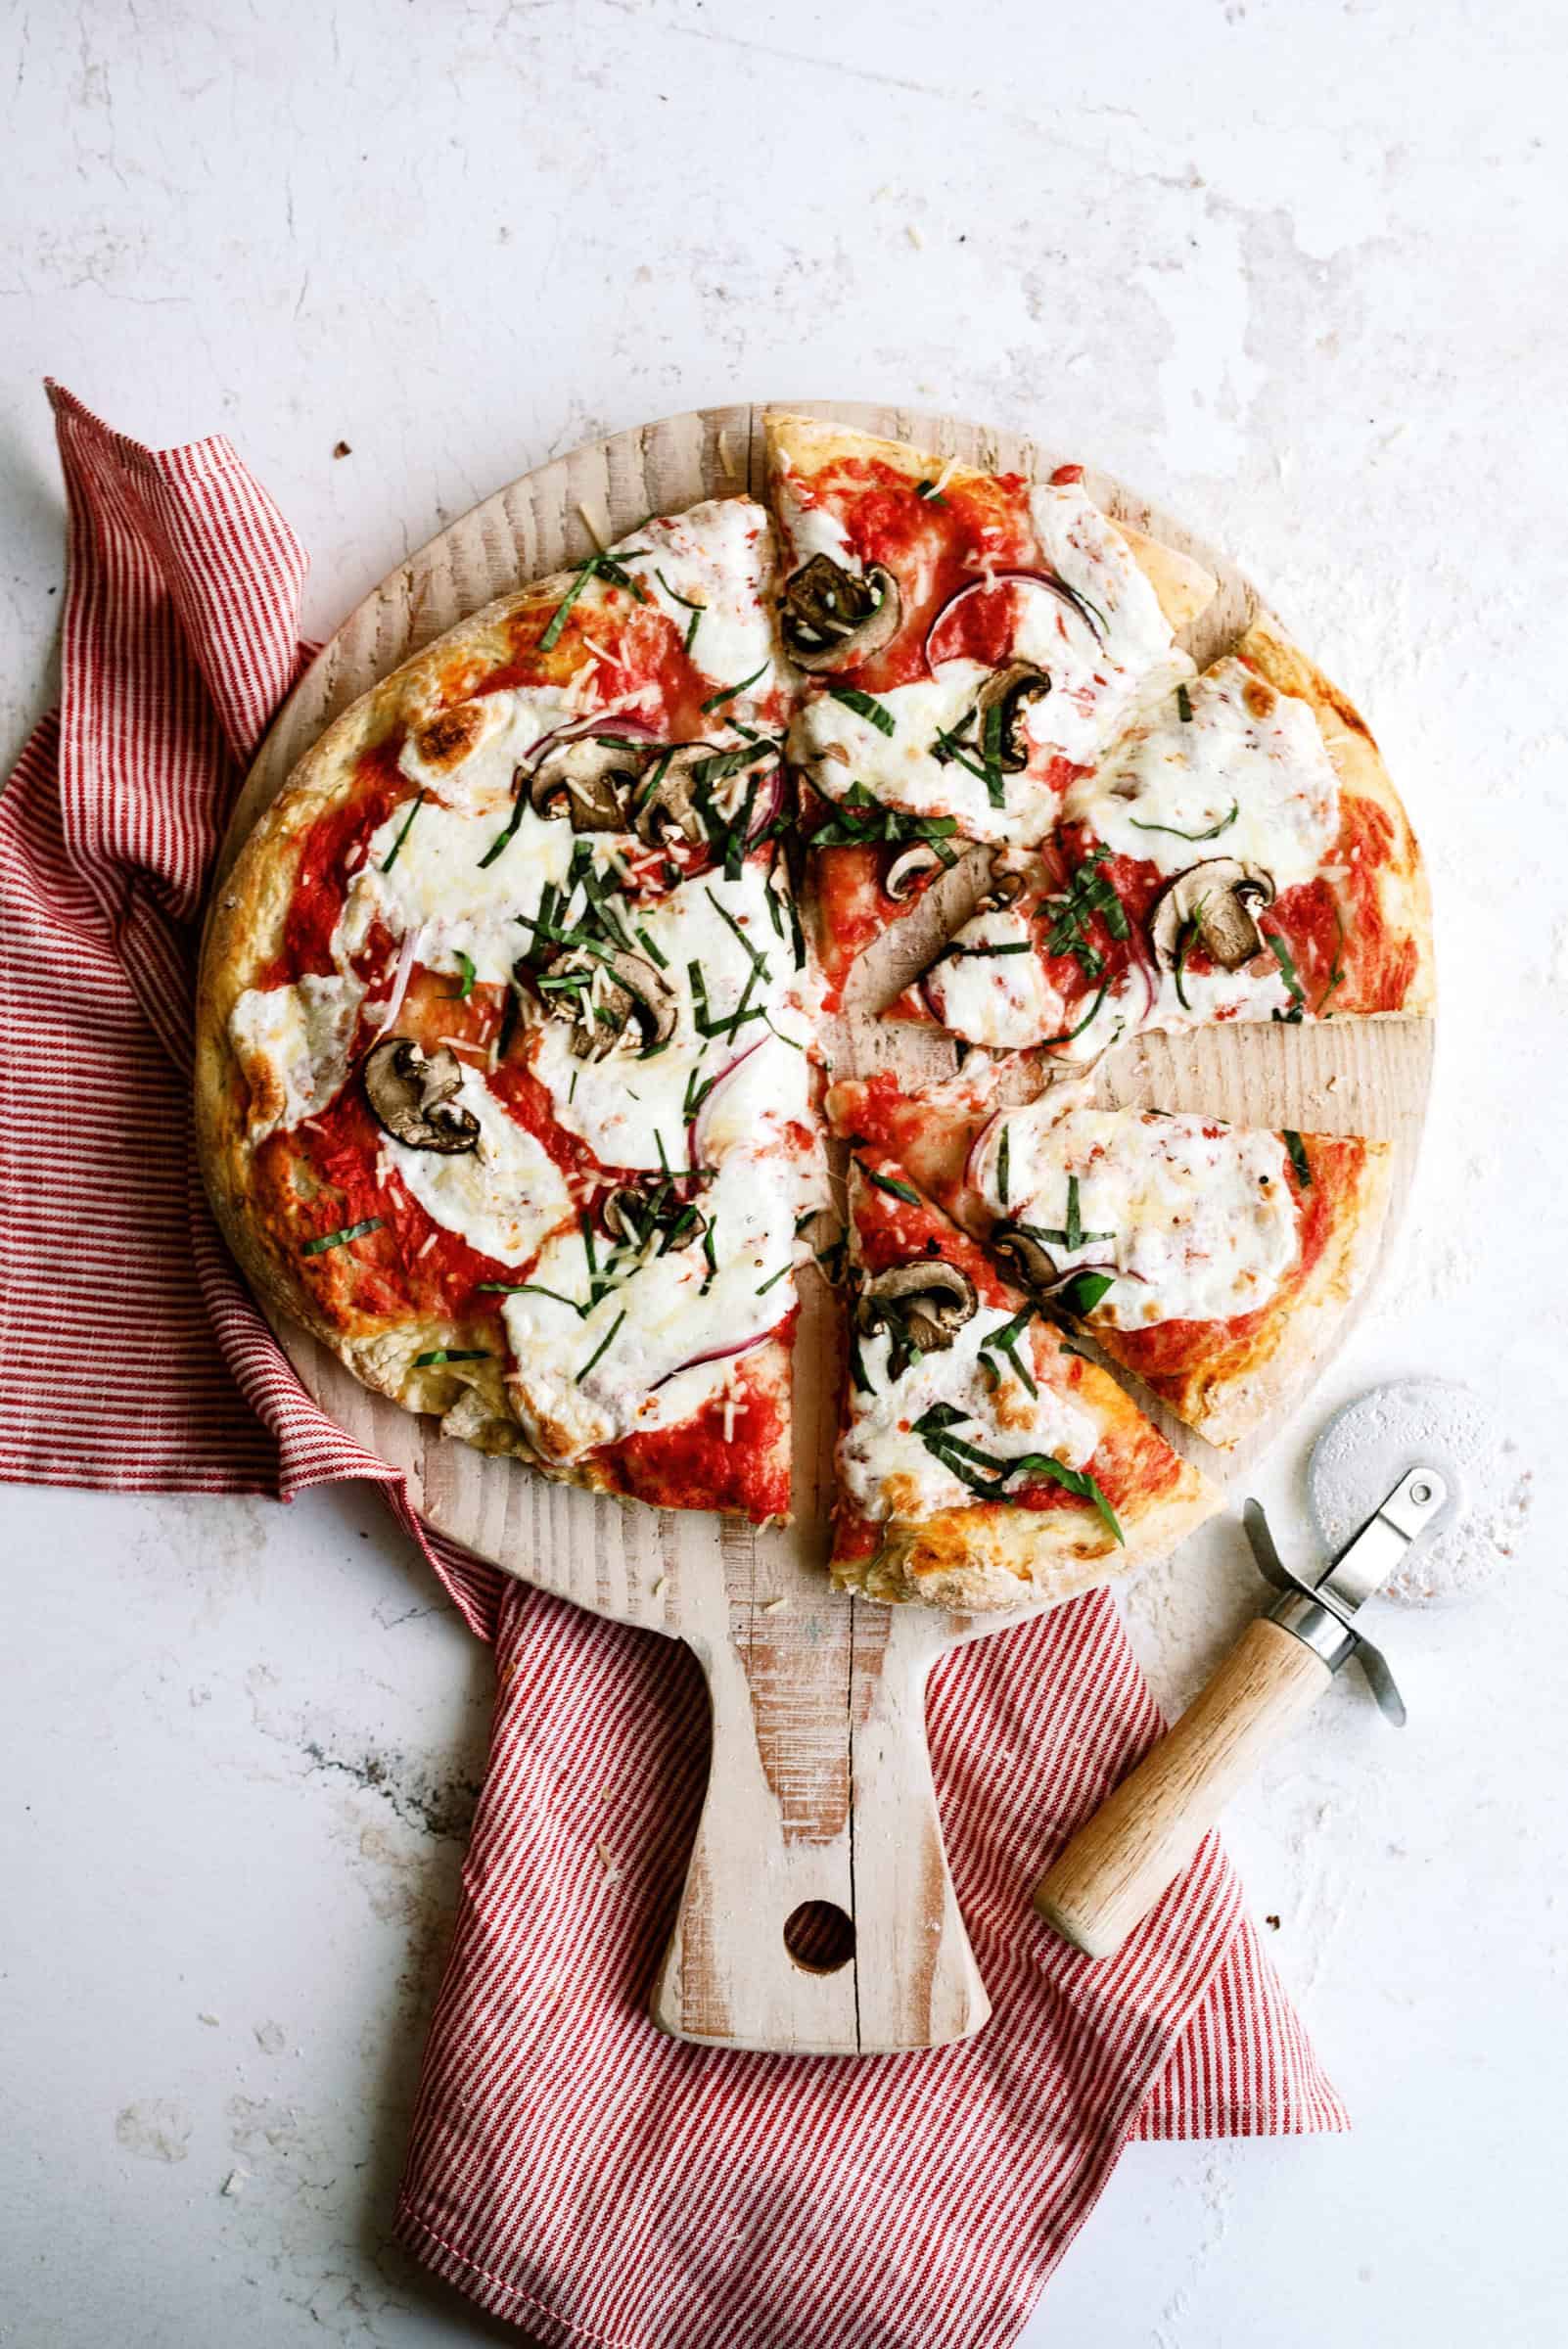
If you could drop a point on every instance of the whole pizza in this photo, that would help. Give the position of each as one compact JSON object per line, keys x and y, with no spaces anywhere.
{"x":517,"y":1010}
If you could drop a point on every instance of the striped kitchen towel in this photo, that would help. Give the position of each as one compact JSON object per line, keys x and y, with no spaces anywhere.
{"x":570,"y":2169}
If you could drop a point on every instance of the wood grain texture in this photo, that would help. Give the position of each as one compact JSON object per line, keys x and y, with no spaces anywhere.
{"x":821,"y":1786}
{"x":1113,"y":1871}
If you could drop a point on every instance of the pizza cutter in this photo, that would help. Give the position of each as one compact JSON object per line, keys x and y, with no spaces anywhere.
{"x":1111,"y":1871}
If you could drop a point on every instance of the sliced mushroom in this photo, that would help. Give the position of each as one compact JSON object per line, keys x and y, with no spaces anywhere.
{"x":1002,"y":890}
{"x":617,"y":989}
{"x":669,"y":812}
{"x":1035,"y":1266}
{"x":411,"y":1095}
{"x":909,"y":868}
{"x":1211,"y":900}
{"x":630,"y":1215}
{"x":590,"y":780}
{"x":833,"y":619}
{"x":921,"y":1305}
{"x":1010,"y":692}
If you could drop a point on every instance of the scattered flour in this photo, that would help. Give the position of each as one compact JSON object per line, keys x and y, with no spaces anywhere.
{"x":1369,"y":1445}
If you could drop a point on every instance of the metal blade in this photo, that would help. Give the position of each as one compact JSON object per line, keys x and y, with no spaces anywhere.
{"x":1365,"y":1562}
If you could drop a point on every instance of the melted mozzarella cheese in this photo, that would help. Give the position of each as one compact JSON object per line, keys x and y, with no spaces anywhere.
{"x":719,"y":555}
{"x":293,"y":1043}
{"x":632,"y":1362}
{"x":1197,"y":1220}
{"x":504,"y":1197}
{"x":1244,"y":748}
{"x":1003,"y":1000}
{"x":884,"y":1464}
{"x":441,"y":885}
{"x":505,"y":727}
{"x":633,"y":1108}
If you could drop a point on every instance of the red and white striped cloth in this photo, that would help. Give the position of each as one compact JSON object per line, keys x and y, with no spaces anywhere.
{"x":570,"y":2169}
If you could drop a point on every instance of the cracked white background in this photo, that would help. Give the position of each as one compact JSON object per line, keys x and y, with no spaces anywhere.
{"x":1297,"y":270}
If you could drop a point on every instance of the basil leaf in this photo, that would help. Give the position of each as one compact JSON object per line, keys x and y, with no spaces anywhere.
{"x":451,"y":1353}
{"x":1175,"y":832}
{"x":465,"y":964}
{"x":1184,"y":704}
{"x":407,"y":826}
{"x":727,"y":693}
{"x":866,"y":706}
{"x":602,"y":1348}
{"x":888,"y":1183}
{"x":1084,"y":1292}
{"x":1298,"y":1158}
{"x":341,"y":1239}
{"x":1282,"y":956}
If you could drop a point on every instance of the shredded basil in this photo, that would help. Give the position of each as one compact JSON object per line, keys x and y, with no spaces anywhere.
{"x":1084,"y":1292}
{"x":1298,"y":993}
{"x":889,"y":1183}
{"x":1298,"y":1158}
{"x":773,"y":1281}
{"x":1177,"y":833}
{"x":1185,"y":707}
{"x":340,"y":1239}
{"x":1184,"y":940}
{"x":1007,"y":1339}
{"x":465,"y":964}
{"x":866,"y":706}
{"x":603,"y":1346}
{"x":407,"y":826}
{"x":533,"y":1288}
{"x":966,"y":1460}
{"x":1068,"y":1034}
{"x":929,"y":491}
{"x":451,"y":1353}
{"x":519,"y":802}
{"x":600,"y":566}
{"x":727,"y":693}
{"x":713,"y":1261}
{"x":1005,"y":1152}
{"x":1071,"y":1235}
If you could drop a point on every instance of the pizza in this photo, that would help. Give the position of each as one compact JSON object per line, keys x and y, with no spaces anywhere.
{"x":505,"y":1083}
{"x":516,"y":1014}
{"x":983,"y":1463}
{"x":1210,"y":1261}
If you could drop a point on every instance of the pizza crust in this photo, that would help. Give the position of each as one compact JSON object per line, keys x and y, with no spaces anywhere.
{"x":983,"y":1559}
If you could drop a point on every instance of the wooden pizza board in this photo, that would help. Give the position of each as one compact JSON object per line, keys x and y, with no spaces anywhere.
{"x":821,"y":1790}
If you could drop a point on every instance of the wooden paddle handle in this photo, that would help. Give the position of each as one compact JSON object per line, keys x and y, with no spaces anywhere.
{"x":1113,"y":1871}
{"x":881,"y":1961}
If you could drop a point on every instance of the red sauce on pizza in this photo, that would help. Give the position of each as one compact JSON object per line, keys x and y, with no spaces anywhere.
{"x":736,"y":1459}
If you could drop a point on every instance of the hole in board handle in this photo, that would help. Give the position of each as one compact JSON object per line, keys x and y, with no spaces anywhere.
{"x":820,"y":1937}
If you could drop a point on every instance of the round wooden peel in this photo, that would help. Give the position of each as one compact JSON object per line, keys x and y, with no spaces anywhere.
{"x":821,"y":1790}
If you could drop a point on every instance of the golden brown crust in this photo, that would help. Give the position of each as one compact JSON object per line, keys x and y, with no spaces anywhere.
{"x":981,"y":1559}
{"x":805,"y":444}
{"x":1403,"y":895}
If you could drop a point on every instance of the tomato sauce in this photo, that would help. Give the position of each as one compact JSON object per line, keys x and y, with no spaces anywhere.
{"x":330,"y":844}
{"x":746,"y":1471}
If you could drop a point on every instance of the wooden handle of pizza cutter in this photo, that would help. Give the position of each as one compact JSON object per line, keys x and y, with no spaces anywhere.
{"x":1113,"y":1871}
{"x":884,"y":1962}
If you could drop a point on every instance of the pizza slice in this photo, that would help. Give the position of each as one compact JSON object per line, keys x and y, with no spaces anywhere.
{"x":1238,"y":853}
{"x":1212,"y":1260}
{"x":506,"y":1025}
{"x":982,"y":1463}
{"x":968,"y":643}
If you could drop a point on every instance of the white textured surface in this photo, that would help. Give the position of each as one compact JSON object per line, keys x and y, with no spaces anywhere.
{"x":1296,"y":272}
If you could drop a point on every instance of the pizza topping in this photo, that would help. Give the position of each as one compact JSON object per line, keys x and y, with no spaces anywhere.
{"x":990,"y":985}
{"x":922,"y":1306}
{"x":292,"y":1044}
{"x":590,"y":780}
{"x":1004,"y":700}
{"x":502,"y":1197}
{"x":606,"y":993}
{"x":412,"y":1095}
{"x":833,"y":619}
{"x":1209,"y":905}
{"x":1246,"y":765}
{"x":910,"y":867}
{"x":1170,"y":1218}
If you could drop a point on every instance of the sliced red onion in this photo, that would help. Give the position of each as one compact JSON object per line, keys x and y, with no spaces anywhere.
{"x":1013,"y":578}
{"x":717,"y":1353}
{"x":699,"y":1123}
{"x":976,"y":1147}
{"x":620,"y":724}
{"x":771,"y":805}
{"x":406,"y":959}
{"x":1138,"y":951}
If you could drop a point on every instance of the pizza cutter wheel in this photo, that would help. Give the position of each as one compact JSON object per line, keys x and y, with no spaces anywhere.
{"x":1111,"y":1872}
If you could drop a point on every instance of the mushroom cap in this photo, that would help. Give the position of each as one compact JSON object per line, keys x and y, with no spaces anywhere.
{"x":411,"y":1096}
{"x":833,"y":619}
{"x":1028,"y":1258}
{"x":1212,"y":897}
{"x":590,"y":780}
{"x":922,"y":1306}
{"x":910,"y":865}
{"x":622,"y":987}
{"x":671,"y":808}
{"x":1011,"y":690}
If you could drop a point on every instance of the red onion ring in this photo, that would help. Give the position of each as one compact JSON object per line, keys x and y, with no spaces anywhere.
{"x":405,"y":971}
{"x":1013,"y":578}
{"x":976,"y":1147}
{"x":697,"y":1126}
{"x":717,"y":1353}
{"x":620,"y":724}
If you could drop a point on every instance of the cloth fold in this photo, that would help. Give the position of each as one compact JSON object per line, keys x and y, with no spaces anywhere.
{"x":569,"y":2167}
